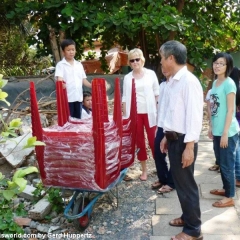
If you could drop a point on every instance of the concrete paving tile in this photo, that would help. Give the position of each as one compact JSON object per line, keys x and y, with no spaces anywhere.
{"x":162,"y":228}
{"x":207,"y":208}
{"x":225,"y":223}
{"x":205,"y":139}
{"x":168,"y":206}
{"x":212,"y":178}
{"x":205,"y":237}
{"x":172,"y":206}
{"x":172,"y":194}
{"x":205,"y":146}
{"x":201,"y":165}
{"x":206,"y":156}
{"x":205,"y":189}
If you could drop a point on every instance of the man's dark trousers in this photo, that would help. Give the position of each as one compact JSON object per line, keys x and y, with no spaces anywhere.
{"x":186,"y":187}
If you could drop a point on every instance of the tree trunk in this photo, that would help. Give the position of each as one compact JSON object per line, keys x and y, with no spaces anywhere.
{"x":61,"y":38}
{"x":54,"y":45}
{"x":180,"y":5}
{"x":144,"y":47}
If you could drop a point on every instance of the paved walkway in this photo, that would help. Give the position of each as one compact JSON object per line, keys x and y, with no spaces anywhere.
{"x":217,"y":223}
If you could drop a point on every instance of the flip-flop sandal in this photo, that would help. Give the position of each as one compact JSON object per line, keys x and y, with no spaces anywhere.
{"x":214,"y":168}
{"x":156,"y":185}
{"x":218,"y":192}
{"x":127,"y":178}
{"x":164,"y":189}
{"x":177,"y":222}
{"x":221,"y":204}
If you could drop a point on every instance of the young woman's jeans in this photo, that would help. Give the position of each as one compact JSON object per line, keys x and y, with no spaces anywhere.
{"x":226,"y":158}
{"x":237,"y":162}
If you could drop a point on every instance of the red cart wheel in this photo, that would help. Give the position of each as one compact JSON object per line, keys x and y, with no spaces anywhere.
{"x":81,"y":223}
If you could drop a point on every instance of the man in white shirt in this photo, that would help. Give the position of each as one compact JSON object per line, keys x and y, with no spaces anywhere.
{"x":180,"y":116}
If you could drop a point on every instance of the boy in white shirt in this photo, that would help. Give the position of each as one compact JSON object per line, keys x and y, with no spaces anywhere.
{"x":73,"y":76}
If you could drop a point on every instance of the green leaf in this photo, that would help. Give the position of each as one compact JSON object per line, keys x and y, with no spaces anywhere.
{"x":15,"y":123}
{"x":21,"y":182}
{"x":11,"y":185}
{"x":3,"y":226}
{"x":20,"y":211}
{"x":32,"y":142}
{"x":20,"y":173}
{"x":8,"y":194}
{"x":3,"y":96}
{"x":1,"y":176}
{"x":3,"y":82}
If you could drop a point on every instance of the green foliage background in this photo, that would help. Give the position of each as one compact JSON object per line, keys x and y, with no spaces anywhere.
{"x":204,"y":26}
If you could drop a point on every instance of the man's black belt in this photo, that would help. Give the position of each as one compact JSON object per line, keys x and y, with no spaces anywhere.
{"x":172,"y":136}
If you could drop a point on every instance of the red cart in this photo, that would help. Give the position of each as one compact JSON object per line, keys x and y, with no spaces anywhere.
{"x":87,"y":156}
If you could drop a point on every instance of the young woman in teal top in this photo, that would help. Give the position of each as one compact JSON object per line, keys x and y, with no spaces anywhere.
{"x":223,"y":127}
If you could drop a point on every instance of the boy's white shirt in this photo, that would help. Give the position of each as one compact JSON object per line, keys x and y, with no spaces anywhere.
{"x":73,"y":75}
{"x":85,"y":114}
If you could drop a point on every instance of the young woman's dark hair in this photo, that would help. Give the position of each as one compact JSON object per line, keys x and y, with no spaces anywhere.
{"x":67,"y":42}
{"x":229,"y":61}
{"x":235,"y":76}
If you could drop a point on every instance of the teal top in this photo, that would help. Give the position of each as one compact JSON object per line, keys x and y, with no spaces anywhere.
{"x":218,"y":105}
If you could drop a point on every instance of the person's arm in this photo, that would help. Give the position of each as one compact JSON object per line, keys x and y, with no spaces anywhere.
{"x":124,"y":108}
{"x":194,"y":114}
{"x":59,"y":75}
{"x":155,"y":87}
{"x":209,"y":120}
{"x":230,"y":112}
{"x":208,"y":111}
{"x":87,"y":83}
{"x":59,"y":79}
{"x":124,"y":98}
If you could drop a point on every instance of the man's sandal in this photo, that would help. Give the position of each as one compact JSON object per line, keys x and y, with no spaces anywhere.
{"x":177,"y":222}
{"x":165,"y":189}
{"x":214,"y":168}
{"x":156,"y":185}
{"x":184,"y":236}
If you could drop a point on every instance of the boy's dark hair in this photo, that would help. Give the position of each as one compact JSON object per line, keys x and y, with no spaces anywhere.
{"x":86,"y":94}
{"x":235,"y":76}
{"x":229,"y":61}
{"x":66,"y":42}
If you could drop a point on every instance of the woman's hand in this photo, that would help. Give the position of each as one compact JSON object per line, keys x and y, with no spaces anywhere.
{"x":224,"y":141}
{"x":210,"y":135}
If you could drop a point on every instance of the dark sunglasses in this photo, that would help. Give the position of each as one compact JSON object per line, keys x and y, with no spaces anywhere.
{"x":133,"y":60}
